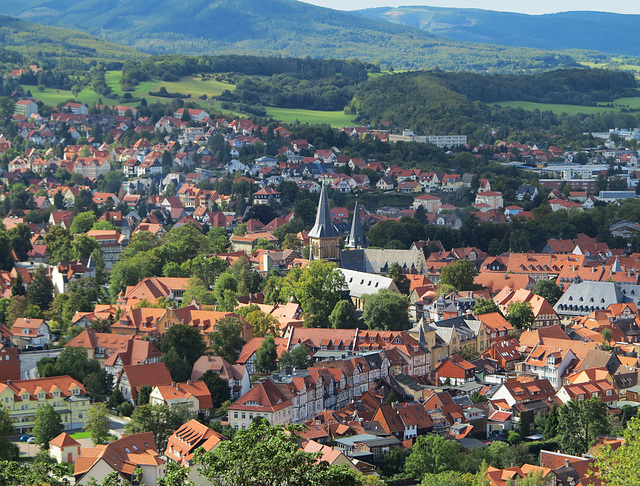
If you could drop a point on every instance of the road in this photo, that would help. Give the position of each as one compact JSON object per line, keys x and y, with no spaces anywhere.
{"x":116,"y":425}
{"x":29,"y":361}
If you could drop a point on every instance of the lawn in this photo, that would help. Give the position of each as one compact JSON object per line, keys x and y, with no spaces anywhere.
{"x":619,"y":103}
{"x":196,"y":87}
{"x":81,"y":435}
{"x":336,"y":119}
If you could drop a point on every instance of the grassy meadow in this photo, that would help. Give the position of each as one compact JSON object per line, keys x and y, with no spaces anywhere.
{"x":196,"y":87}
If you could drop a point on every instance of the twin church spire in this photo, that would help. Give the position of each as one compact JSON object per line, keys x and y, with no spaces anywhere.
{"x":324,"y":237}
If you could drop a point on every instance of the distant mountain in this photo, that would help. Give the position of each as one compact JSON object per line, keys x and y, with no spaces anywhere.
{"x":43,"y":41}
{"x":599,"y":31}
{"x":282,"y":27}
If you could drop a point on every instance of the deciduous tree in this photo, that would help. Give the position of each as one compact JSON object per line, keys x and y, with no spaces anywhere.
{"x":580,"y":422}
{"x":48,"y":425}
{"x":97,"y":423}
{"x":227,"y":338}
{"x":386,"y":311}
{"x":263,"y":454}
{"x":459,"y":275}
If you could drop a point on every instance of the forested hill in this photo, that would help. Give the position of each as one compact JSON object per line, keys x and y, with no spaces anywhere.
{"x":274,"y":27}
{"x":449,"y":101}
{"x":599,"y":31}
{"x":40,"y":41}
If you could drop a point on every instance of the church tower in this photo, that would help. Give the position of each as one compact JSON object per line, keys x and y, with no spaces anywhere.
{"x":324,"y":236}
{"x":356,"y":238}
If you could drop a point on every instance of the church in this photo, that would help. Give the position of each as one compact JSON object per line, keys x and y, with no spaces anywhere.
{"x":324,"y":239}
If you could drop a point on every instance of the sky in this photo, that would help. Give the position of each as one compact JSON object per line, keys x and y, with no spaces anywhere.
{"x":529,"y":7}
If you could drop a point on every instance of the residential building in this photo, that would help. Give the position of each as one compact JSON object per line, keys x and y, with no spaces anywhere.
{"x":30,"y":332}
{"x":132,"y":377}
{"x":263,"y":400}
{"x":236,"y":375}
{"x":9,"y":363}
{"x":64,"y":448}
{"x":430,"y":203}
{"x":112,"y":244}
{"x":455,"y":370}
{"x":24,"y":397}
{"x":123,"y":457}
{"x":195,"y":395}
{"x":184,"y":442}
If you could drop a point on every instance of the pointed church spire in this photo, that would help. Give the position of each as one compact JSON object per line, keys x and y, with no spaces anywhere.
{"x":616,"y":267}
{"x":324,"y":227}
{"x":356,"y":239}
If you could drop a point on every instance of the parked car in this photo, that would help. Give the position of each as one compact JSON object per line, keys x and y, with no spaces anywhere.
{"x":32,"y":440}
{"x":24,"y":438}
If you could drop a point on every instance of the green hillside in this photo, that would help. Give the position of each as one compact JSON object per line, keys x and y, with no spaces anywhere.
{"x":275,"y":27}
{"x":43,"y":41}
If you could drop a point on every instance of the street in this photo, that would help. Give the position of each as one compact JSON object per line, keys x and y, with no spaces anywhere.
{"x":29,"y":361}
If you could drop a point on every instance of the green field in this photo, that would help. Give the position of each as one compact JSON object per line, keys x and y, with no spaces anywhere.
{"x":618,"y":104}
{"x":196,"y":87}
{"x":81,"y":435}
{"x":336,"y":119}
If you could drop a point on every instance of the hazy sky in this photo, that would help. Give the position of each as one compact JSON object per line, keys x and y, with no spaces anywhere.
{"x":530,"y":7}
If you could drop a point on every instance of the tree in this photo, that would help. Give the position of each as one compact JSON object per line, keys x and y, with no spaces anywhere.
{"x":520,"y":315}
{"x":621,"y":467}
{"x":175,"y":474}
{"x":263,"y":324}
{"x":318,"y":288}
{"x":17,"y":288}
{"x":98,"y":384}
{"x":343,"y":316}
{"x":263,"y":454}
{"x":82,"y":223}
{"x":74,"y":362}
{"x":40,"y":291}
{"x":460,"y":275}
{"x":297,"y":358}
{"x":485,"y":306}
{"x":8,"y":450}
{"x":160,"y":420}
{"x":227,"y":338}
{"x":187,"y":344}
{"x":386,"y":311}
{"x":432,"y":454}
{"x":97,"y":423}
{"x":607,"y":336}
{"x":218,"y":387}
{"x":103,"y":225}
{"x":144,"y":394}
{"x":48,"y":425}
{"x":551,"y":427}
{"x":58,"y":242}
{"x":580,"y":422}
{"x":266,"y":356}
{"x":447,"y":478}
{"x":549,"y":290}
{"x":84,"y":246}
{"x":20,"y":237}
{"x":226,"y":292}
{"x":399,"y":278}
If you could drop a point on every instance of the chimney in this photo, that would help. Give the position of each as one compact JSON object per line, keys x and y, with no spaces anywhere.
{"x":566,"y":463}
{"x":173,"y":384}
{"x":9,"y":382}
{"x":189,"y":382}
{"x":178,"y":386}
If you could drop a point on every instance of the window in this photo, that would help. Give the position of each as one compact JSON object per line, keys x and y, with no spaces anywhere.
{"x":244,"y":415}
{"x":235,"y":414}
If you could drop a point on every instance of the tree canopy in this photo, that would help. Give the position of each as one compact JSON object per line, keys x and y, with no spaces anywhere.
{"x":263,"y":454}
{"x":386,"y":311}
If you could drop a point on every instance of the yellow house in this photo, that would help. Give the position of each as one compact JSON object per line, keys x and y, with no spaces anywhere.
{"x":66,"y":395}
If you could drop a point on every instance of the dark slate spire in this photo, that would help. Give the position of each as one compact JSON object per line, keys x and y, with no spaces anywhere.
{"x":324,"y":227}
{"x":356,"y":239}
